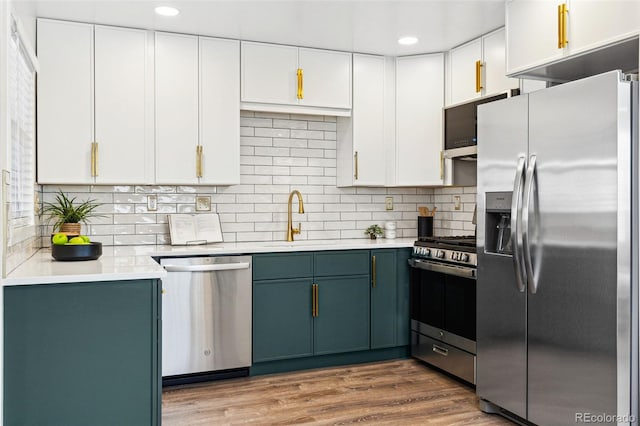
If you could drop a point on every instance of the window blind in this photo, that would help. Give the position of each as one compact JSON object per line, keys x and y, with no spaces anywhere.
{"x":21,"y":108}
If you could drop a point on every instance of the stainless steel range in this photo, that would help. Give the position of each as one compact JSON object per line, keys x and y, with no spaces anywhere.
{"x":443,"y":304}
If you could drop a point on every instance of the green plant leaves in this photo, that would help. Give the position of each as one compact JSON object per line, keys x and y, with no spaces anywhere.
{"x":65,"y":210}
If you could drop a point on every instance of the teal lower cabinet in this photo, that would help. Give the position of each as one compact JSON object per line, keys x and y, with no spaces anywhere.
{"x":325,"y":308}
{"x":390,"y":298}
{"x":384,"y":297}
{"x":82,"y":354}
{"x":282,"y":321}
{"x":341,"y":323}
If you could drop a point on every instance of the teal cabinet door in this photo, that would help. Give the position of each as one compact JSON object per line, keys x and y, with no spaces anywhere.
{"x":383,"y":298}
{"x":282,"y":320}
{"x":82,"y":354}
{"x":403,"y":313}
{"x":342,"y":321}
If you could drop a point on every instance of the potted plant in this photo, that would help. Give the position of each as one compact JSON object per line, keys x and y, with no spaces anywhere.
{"x":373,"y":231}
{"x":67,"y":213}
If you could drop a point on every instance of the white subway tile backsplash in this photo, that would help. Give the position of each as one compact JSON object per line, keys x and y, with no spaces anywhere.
{"x":159,"y":228}
{"x":289,"y":180}
{"x":318,"y":125}
{"x":279,"y":152}
{"x":256,"y":122}
{"x":331,"y":136}
{"x":254,"y":217}
{"x":272,"y":133}
{"x":290,"y":124}
{"x":290,"y":161}
{"x":121,"y":219}
{"x":307,"y":153}
{"x":272,"y":170}
{"x":255,"y":141}
{"x":307,"y":171}
{"x":290,"y":143}
{"x":255,"y":161}
{"x":306,"y":134}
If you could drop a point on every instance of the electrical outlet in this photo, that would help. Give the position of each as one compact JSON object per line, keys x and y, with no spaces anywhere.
{"x":388,"y":203}
{"x":203,"y":203}
{"x":152,"y":203}
{"x":456,"y":202}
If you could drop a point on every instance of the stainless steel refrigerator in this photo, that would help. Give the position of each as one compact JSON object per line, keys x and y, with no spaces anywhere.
{"x":557,"y":229}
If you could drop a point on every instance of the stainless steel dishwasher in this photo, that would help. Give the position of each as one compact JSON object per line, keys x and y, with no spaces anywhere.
{"x":206,"y":318}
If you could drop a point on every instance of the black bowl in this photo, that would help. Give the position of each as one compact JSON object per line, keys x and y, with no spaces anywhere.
{"x":70,"y":252}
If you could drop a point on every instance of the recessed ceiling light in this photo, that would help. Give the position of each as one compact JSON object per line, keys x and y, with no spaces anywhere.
{"x":166,"y":11}
{"x":407,"y":40}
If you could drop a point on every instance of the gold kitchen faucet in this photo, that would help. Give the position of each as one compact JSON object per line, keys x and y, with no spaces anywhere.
{"x":290,"y":229}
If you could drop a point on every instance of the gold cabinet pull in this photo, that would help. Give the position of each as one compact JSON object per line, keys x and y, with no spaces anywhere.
{"x":317,"y":300}
{"x":355,"y":159}
{"x":299,"y":93}
{"x":441,"y":165}
{"x":314,"y":300}
{"x":478,"y":76}
{"x":373,"y":271}
{"x":562,"y":25}
{"x":565,"y":11}
{"x":95,"y":158}
{"x":301,"y":83}
{"x":559,"y":26}
{"x":199,"y":161}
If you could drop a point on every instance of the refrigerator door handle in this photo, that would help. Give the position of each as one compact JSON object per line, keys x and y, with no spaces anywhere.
{"x":530,"y":182}
{"x":516,"y":238}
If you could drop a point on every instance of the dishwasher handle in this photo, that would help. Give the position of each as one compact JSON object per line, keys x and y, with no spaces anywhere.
{"x":207,"y":268}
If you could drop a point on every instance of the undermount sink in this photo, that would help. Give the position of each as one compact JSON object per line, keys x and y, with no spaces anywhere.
{"x":299,"y":243}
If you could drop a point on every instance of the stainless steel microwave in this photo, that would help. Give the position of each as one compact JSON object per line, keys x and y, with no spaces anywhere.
{"x":460,"y":123}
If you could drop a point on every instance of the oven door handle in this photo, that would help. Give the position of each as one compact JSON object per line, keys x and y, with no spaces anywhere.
{"x":459,"y":271}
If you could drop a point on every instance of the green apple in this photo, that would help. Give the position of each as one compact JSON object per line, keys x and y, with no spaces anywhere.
{"x":59,"y":239}
{"x":85,"y":238}
{"x":77,"y":240}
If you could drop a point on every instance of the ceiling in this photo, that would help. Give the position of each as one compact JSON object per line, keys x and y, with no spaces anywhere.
{"x":367,"y":26}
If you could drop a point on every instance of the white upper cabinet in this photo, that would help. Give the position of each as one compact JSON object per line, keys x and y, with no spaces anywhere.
{"x":65,"y":102}
{"x":94,"y":121}
{"x":532,"y":34}
{"x":297,"y":80}
{"x":595,"y":23}
{"x":197,"y":110}
{"x":362,"y":145}
{"x":176,"y":108}
{"x":219,"y":111}
{"x":477,"y":69}
{"x":493,"y":70}
{"x":419,"y":102}
{"x":464,"y":71}
{"x":123,"y":106}
{"x":325,"y":78}
{"x":543,"y":32}
{"x":269,"y":73}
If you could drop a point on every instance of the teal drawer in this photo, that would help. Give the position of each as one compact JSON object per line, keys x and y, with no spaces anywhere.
{"x":344,"y":262}
{"x":282,"y":265}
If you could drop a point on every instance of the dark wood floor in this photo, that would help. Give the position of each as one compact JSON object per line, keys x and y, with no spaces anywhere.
{"x":403,"y":392}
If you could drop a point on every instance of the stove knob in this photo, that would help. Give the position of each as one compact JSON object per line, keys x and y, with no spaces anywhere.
{"x":454,"y":255}
{"x":427,"y":252}
{"x":464,"y":257}
{"x":440,"y":254}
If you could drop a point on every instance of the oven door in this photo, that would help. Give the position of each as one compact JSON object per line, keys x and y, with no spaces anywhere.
{"x":443,"y":316}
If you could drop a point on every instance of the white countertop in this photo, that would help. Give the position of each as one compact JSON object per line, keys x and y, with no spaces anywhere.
{"x":135,"y":262}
